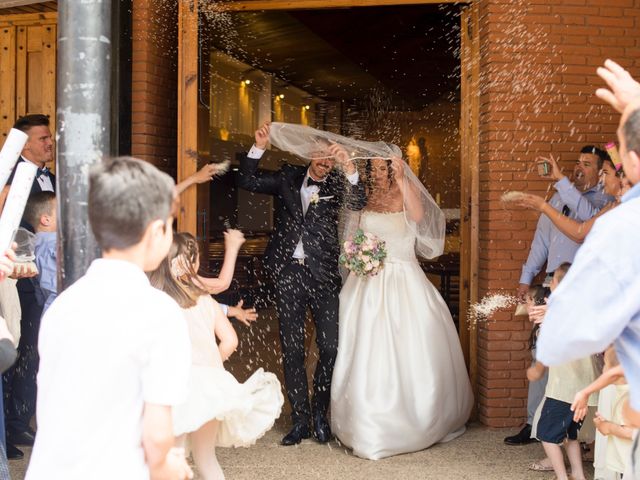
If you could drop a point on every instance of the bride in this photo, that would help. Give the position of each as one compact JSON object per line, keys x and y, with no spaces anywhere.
{"x":400,"y":383}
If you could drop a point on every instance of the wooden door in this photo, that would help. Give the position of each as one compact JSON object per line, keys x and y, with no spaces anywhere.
{"x":470,"y":183}
{"x":188,"y":110}
{"x":188,"y":77}
{"x":27,"y":67}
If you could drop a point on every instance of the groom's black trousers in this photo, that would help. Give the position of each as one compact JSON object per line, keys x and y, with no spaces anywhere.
{"x":296,"y":290}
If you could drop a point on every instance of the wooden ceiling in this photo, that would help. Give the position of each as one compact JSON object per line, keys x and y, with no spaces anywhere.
{"x":409,"y":53}
{"x":18,"y":7}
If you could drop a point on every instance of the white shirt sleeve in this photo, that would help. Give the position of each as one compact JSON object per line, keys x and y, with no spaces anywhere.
{"x":255,"y":153}
{"x":595,"y":300}
{"x":166,"y":372}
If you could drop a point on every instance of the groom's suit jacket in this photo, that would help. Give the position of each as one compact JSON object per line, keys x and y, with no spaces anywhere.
{"x":318,"y":229}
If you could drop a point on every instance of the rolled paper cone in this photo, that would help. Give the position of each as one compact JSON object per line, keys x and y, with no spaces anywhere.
{"x":16,"y":201}
{"x":521,"y":309}
{"x":612,"y":150}
{"x":10,"y":153}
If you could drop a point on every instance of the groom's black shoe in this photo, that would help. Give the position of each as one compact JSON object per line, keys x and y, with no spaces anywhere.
{"x":321,"y":429}
{"x":299,"y":432}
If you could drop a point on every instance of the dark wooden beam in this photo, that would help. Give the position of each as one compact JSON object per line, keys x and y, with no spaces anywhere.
{"x":253,"y":5}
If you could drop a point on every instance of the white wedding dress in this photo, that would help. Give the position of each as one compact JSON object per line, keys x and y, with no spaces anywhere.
{"x":400,"y":383}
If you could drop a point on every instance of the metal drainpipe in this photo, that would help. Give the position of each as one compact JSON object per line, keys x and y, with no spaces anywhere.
{"x":83,"y":120}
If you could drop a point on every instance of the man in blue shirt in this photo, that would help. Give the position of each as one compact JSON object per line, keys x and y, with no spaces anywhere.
{"x":579,"y":200}
{"x":599,"y":301}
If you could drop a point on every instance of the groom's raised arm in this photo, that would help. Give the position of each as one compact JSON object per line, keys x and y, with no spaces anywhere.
{"x":250,"y":177}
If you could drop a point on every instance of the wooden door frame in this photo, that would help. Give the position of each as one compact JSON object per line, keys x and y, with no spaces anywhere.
{"x":469,"y":183}
{"x":188,"y":111}
{"x":188,"y":115}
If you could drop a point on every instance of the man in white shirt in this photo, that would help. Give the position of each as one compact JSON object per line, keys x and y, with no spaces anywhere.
{"x":302,"y":261}
{"x":114,"y":351}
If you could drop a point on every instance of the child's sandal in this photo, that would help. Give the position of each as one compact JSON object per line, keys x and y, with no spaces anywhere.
{"x":538,"y":466}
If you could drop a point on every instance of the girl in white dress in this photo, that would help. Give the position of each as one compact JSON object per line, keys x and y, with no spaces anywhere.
{"x":400,"y":383}
{"x":218,"y":411}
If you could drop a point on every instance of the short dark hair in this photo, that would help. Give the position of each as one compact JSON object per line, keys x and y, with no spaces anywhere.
{"x":39,"y":203}
{"x":561,"y":271}
{"x":631,"y":131}
{"x":593,"y":150}
{"x":125,"y":196}
{"x":25,"y":123}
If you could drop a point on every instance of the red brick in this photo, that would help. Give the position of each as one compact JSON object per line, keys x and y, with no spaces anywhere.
{"x":554,"y":109}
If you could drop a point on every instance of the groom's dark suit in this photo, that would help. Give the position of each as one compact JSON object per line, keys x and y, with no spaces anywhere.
{"x":313,"y":282}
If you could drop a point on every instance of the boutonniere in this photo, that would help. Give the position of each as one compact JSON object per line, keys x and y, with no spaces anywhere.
{"x":315,"y":198}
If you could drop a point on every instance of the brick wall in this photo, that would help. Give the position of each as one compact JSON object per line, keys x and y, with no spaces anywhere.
{"x":154,"y":83}
{"x":538,"y":62}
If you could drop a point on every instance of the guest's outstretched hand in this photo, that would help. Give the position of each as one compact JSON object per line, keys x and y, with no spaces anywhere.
{"x":7,"y":264}
{"x":579,"y":406}
{"x":602,"y":424}
{"x":537,"y":313}
{"x":530,"y":201}
{"x":245,"y":315}
{"x":177,"y":465}
{"x":206,"y":173}
{"x":622,"y":87}
{"x":233,"y":239}
{"x":535,"y":372}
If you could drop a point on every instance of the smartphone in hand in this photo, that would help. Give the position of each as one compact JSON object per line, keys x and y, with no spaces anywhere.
{"x":544,"y":168}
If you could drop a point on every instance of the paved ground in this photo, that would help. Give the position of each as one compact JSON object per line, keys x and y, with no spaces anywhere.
{"x":478,"y":454}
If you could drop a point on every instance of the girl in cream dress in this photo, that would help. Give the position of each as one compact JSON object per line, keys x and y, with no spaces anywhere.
{"x":218,"y":411}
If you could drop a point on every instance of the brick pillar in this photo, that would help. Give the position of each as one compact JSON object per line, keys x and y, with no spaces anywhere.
{"x":154,"y":105}
{"x":538,"y":78}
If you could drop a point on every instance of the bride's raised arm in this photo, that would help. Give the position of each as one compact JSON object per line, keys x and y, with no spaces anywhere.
{"x":411,"y":197}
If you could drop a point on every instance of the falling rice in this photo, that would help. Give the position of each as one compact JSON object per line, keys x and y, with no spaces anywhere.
{"x":490,"y":304}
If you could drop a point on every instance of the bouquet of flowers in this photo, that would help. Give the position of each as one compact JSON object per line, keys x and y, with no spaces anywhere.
{"x":363,"y":254}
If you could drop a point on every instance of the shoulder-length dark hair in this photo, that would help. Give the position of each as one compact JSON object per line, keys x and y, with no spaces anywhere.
{"x":180,"y":283}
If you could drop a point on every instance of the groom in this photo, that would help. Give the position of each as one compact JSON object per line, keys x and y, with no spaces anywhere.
{"x":302,"y":260}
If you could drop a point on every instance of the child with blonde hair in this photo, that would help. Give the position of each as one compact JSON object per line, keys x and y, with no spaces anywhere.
{"x":619,"y":436}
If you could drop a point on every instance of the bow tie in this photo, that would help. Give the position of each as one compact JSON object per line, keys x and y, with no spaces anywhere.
{"x":43,"y":171}
{"x":311,"y":181}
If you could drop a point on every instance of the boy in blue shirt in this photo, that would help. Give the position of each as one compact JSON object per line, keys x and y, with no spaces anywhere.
{"x":40,"y":212}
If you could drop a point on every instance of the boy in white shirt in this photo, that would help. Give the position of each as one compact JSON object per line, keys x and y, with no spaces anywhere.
{"x":114,"y":351}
